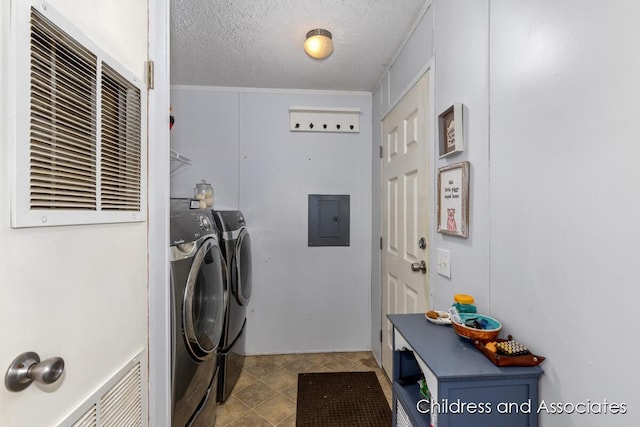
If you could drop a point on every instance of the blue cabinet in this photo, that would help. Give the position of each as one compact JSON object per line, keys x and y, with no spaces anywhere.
{"x":467,"y":389}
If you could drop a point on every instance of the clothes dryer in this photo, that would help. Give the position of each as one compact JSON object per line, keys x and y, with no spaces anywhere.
{"x":198,"y":304}
{"x":236,"y":247}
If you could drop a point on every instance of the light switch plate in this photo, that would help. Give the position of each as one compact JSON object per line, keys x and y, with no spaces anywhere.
{"x":444,"y":263}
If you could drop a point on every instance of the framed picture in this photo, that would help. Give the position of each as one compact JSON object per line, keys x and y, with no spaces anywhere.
{"x":453,"y":200}
{"x":450,"y":131}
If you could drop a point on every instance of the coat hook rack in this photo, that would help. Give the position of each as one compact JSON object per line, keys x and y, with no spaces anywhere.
{"x":320,"y":119}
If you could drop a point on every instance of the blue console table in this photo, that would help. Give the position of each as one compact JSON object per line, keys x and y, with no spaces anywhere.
{"x":467,"y":389}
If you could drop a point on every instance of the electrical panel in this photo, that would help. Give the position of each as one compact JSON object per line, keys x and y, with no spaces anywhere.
{"x":328,"y":220}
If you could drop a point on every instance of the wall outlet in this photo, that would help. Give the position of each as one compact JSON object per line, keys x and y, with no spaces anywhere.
{"x":444,"y":263}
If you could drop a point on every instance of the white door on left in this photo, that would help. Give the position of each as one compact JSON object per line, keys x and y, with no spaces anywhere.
{"x":77,"y":292}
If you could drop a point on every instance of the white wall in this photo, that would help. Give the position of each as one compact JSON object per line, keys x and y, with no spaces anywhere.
{"x":206,"y":131}
{"x":304,"y":299}
{"x":78,"y":292}
{"x":409,"y":63}
{"x":564,"y":187}
{"x":462,"y":75}
{"x":550,"y":91}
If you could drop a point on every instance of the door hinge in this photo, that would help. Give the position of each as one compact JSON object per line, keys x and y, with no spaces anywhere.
{"x":150,"y":76}
{"x":380,"y":243}
{"x":380,"y":335}
{"x":380,"y":151}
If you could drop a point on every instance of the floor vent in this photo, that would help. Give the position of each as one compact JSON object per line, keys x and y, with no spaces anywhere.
{"x":122,"y":405}
{"x":120,"y":402}
{"x":89,"y":419}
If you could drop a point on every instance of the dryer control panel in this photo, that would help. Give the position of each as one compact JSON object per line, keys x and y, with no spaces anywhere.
{"x":205,"y":223}
{"x":190,"y":225}
{"x":230,"y":220}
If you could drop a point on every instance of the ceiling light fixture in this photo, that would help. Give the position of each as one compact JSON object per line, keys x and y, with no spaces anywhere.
{"x":319,"y":44}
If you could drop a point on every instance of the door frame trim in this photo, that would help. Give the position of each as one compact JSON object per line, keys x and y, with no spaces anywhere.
{"x":159,"y":327}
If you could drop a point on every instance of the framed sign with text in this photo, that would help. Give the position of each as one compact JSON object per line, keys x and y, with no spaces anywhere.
{"x":453,"y":199}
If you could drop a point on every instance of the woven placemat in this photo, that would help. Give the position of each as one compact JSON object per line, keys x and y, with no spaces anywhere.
{"x":341,"y":399}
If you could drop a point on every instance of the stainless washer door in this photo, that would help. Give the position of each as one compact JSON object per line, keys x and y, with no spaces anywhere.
{"x":203,"y":304}
{"x":242,"y":268}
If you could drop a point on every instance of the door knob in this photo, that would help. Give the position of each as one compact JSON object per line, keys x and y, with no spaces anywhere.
{"x":27,"y":368}
{"x":419,"y":266}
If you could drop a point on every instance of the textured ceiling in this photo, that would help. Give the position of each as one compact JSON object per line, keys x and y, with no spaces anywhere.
{"x":259,"y":43}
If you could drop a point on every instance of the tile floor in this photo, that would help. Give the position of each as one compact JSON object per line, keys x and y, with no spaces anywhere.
{"x":265,"y":394}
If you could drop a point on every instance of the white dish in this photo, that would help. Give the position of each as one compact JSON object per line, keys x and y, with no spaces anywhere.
{"x":440,"y":320}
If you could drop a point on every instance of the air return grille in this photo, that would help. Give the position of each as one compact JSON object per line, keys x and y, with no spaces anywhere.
{"x":89,"y":419}
{"x":80,"y":146}
{"x":122,"y":405}
{"x":120,"y":402}
{"x":63,"y":120}
{"x":120,"y":166}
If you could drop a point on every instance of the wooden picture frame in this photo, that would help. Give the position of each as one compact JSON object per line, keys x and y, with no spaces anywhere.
{"x":451,"y":131}
{"x":453,"y":200}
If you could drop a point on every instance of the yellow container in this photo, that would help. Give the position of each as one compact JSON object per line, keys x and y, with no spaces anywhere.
{"x":464,"y":303}
{"x":463,"y":299}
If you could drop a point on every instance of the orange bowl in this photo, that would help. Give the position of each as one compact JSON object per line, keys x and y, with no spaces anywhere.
{"x":490,"y":333}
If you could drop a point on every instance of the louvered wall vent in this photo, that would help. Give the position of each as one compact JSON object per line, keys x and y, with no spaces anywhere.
{"x":121,"y":402}
{"x":80,"y":159}
{"x":122,"y":405}
{"x":120,"y":148}
{"x":89,"y":419}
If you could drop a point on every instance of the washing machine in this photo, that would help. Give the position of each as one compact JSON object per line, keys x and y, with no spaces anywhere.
{"x":198,"y":275}
{"x":236,"y":248}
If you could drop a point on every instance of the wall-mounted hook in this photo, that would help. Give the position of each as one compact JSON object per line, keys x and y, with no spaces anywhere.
{"x":319,"y":119}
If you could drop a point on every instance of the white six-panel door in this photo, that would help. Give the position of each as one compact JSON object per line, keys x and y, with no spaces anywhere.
{"x":405,"y":197}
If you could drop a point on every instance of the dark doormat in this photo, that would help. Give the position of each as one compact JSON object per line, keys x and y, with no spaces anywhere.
{"x":341,"y":399}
